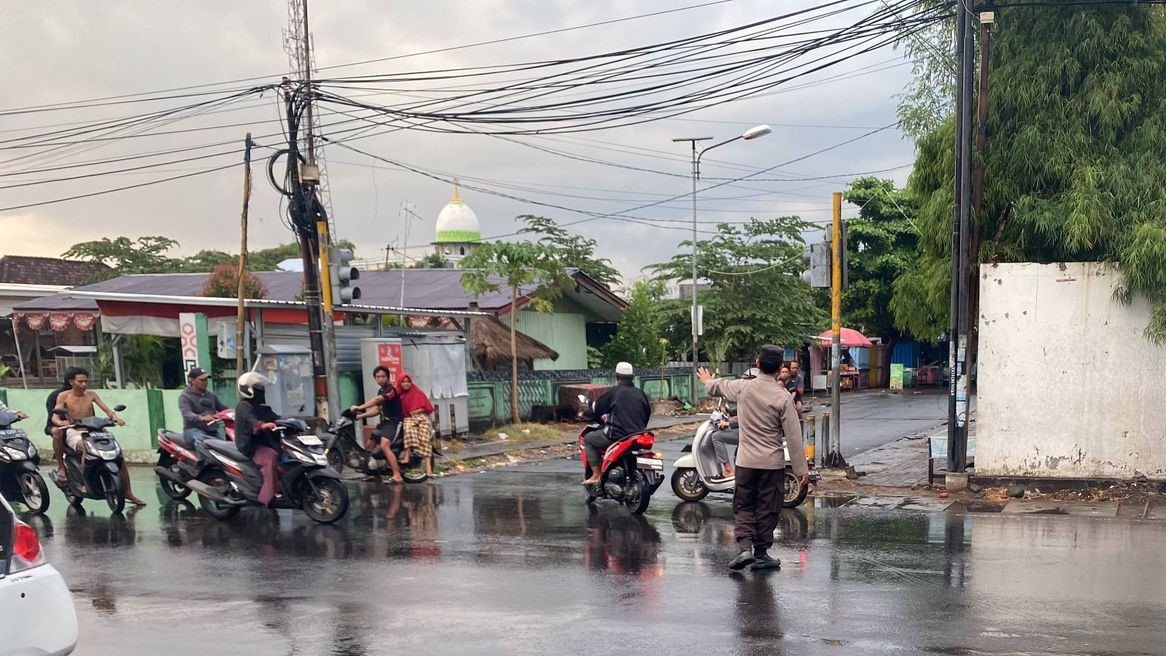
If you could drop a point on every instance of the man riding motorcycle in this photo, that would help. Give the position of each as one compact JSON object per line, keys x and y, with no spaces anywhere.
{"x":254,"y":421}
{"x":627,"y":410}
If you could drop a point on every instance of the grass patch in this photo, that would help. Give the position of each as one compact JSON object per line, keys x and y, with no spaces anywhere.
{"x":519,"y":433}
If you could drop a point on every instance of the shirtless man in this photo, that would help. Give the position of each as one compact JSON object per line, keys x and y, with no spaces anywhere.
{"x":78,"y":403}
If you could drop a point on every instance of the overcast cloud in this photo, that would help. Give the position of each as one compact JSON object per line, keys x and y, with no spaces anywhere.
{"x":64,"y":51}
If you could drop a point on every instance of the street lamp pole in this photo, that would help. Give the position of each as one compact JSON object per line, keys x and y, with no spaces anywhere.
{"x":748,"y":135}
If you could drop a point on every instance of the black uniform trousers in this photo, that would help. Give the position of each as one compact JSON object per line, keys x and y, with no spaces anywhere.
{"x":757,"y":497}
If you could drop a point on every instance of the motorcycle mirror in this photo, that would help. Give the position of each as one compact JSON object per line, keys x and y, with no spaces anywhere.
{"x":119,"y":407}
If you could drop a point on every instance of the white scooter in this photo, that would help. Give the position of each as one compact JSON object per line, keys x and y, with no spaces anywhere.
{"x":698,"y":473}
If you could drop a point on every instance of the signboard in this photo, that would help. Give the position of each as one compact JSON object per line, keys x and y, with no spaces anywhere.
{"x":896,"y":376}
{"x":389,"y":355}
{"x":481,"y":402}
{"x":188,"y":340}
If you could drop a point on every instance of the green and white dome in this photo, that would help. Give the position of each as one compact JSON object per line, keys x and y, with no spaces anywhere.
{"x":457,"y":223}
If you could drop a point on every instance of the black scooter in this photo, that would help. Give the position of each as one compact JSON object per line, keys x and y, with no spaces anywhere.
{"x":20,"y":478}
{"x":343,"y":447}
{"x":231,"y":480}
{"x":99,"y":476}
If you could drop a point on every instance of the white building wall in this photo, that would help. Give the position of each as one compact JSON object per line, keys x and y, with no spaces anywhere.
{"x":1069,"y":387}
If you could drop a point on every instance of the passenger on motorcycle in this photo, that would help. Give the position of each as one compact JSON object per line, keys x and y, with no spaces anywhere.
{"x":728,"y":433}
{"x":254,"y":423}
{"x":77,"y":404}
{"x":388,"y":399}
{"x":194,"y":404}
{"x":627,"y":410}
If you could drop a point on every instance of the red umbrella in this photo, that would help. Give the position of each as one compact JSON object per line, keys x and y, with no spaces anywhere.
{"x":850,"y":337}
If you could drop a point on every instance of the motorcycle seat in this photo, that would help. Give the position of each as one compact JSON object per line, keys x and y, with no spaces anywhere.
{"x":226,"y":448}
{"x":178,"y":438}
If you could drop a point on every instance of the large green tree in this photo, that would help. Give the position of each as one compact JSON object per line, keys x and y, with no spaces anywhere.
{"x":638,"y":338}
{"x":756,"y":294}
{"x":881,"y":246}
{"x":1077,"y":129}
{"x":143,"y":255}
{"x":574,"y":251}
{"x":511,"y":266}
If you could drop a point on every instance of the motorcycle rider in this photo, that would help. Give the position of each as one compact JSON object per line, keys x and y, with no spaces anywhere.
{"x":254,"y":421}
{"x":392,"y":415}
{"x":77,"y":404}
{"x":627,"y":409}
{"x":194,"y":402}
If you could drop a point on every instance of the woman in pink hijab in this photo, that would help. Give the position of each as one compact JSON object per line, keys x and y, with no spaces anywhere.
{"x":418,"y":428}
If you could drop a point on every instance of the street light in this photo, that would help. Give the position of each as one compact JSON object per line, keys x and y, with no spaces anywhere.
{"x":748,"y":135}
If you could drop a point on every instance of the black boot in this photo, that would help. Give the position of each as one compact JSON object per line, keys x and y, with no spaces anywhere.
{"x":743,"y":559}
{"x":763,"y":561}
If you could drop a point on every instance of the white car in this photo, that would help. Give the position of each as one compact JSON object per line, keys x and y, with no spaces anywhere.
{"x":37,"y":617}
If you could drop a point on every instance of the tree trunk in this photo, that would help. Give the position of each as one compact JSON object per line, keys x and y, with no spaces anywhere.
{"x":514,"y":354}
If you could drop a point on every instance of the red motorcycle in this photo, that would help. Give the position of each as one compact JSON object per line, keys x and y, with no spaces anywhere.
{"x":178,"y":461}
{"x":631,"y":471}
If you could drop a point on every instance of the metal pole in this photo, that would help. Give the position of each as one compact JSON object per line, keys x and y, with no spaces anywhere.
{"x":19,"y":353}
{"x":240,"y":316}
{"x":308,"y":84}
{"x":956,"y":283}
{"x":961,"y":374}
{"x":331,"y":376}
{"x":835,"y":458}
{"x":695,"y":307}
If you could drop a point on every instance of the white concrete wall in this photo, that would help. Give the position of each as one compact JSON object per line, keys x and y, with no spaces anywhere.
{"x":1068,"y":385}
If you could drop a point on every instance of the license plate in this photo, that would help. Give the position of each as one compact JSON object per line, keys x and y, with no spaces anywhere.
{"x":311,"y":440}
{"x":654,"y":464}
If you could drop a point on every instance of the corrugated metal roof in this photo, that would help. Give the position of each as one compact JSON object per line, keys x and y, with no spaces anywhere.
{"x":57,"y":303}
{"x":28,"y":270}
{"x":426,"y":289}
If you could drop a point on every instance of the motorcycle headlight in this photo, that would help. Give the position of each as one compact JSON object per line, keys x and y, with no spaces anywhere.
{"x":92,"y":450}
{"x":303,"y":457}
{"x":14,"y":454}
{"x":111,"y":454}
{"x":32,"y":451}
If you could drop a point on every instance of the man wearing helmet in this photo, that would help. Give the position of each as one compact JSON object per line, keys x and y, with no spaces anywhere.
{"x":254,"y":421}
{"x":627,"y":411}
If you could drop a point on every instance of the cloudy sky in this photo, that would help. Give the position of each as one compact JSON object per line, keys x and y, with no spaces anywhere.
{"x":69,"y":51}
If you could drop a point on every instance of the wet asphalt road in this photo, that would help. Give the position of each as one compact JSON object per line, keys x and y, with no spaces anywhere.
{"x":512,"y":562}
{"x":873,"y":418}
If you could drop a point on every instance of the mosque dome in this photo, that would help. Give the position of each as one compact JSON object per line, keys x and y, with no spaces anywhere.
{"x":457,"y":223}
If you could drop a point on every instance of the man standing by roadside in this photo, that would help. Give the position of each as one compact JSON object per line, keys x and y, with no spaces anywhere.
{"x":795,"y":384}
{"x":198,"y":406}
{"x":768,"y":422}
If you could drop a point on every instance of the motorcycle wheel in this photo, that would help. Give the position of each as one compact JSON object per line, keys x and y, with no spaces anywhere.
{"x":212,"y":507}
{"x":172,"y":489}
{"x":794,"y":493}
{"x":111,"y":488}
{"x":637,"y":496}
{"x":687,"y":485}
{"x":328,"y":502}
{"x":34,"y":491}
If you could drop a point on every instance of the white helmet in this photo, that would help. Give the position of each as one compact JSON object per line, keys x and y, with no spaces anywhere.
{"x":624,"y":369}
{"x":249,"y":381}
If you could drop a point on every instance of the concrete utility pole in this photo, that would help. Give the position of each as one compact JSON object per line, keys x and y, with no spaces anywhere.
{"x":240,"y":318}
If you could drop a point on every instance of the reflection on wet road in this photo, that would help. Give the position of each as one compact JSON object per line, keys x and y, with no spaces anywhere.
{"x":514,"y":563}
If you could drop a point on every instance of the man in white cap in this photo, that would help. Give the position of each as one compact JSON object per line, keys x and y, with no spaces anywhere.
{"x":627,"y":410}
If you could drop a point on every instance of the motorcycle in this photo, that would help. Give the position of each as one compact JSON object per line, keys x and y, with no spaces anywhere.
{"x":631,"y":471}
{"x":304,"y":480}
{"x":20,"y":478}
{"x":343,"y":448}
{"x":697,"y":472}
{"x":179,"y":462}
{"x":99,"y":476}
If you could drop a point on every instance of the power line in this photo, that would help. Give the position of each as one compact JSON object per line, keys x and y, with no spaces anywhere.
{"x":116,"y":189}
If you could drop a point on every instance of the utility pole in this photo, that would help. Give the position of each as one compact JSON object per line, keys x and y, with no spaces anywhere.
{"x":834,"y":451}
{"x":961,"y":237}
{"x":310,"y":217}
{"x":240,"y":318}
{"x":987,"y":18}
